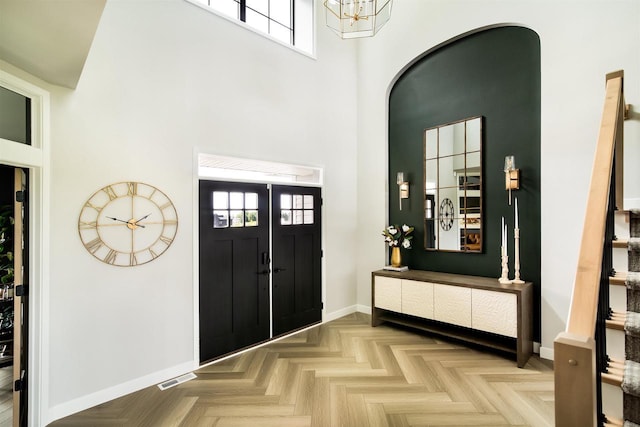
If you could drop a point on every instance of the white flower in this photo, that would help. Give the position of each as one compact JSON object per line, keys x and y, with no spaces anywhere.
{"x":391,"y":229}
{"x":387,"y":239}
{"x":405,"y":228}
{"x":391,"y":243}
{"x":406,"y":244}
{"x":395,"y":243}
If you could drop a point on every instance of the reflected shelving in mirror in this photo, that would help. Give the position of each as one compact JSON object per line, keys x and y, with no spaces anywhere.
{"x":453,"y":186}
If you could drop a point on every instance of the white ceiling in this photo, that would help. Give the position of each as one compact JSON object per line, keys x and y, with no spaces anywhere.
{"x":49,"y":39}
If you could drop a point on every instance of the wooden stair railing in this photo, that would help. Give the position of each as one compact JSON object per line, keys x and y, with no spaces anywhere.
{"x":577,"y":376}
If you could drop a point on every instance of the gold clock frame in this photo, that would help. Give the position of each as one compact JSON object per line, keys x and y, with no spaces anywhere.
{"x":127,"y":223}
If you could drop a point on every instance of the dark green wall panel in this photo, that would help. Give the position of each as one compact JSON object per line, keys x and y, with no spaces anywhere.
{"x":495,"y":74}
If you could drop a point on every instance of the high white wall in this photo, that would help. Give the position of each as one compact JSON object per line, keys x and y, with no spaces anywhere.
{"x":163,"y":81}
{"x":580,"y":42}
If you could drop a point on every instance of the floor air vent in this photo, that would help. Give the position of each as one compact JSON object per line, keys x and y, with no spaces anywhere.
{"x":175,"y":381}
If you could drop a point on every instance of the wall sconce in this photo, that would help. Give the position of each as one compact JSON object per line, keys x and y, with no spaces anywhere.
{"x":511,"y":175}
{"x":403,"y":187}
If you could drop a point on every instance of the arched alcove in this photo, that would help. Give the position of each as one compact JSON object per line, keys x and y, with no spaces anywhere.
{"x":493,"y":73}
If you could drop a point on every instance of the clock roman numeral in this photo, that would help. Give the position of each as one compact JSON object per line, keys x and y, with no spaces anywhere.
{"x":132,"y":188}
{"x":110,"y":258}
{"x":94,"y":245}
{"x":170,"y":222}
{"x":88,"y":225}
{"x":166,"y":240}
{"x":92,"y":206}
{"x":165,"y":206}
{"x":133,"y":260}
{"x":153,"y":254}
{"x":110,"y":192}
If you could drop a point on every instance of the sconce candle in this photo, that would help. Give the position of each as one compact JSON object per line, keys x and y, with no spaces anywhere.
{"x":516,"y":241}
{"x":504,"y":258}
{"x":506,"y":240}
{"x":502,"y":237}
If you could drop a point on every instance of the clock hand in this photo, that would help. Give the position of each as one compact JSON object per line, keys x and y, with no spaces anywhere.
{"x":144,"y":217}
{"x":117,"y":219}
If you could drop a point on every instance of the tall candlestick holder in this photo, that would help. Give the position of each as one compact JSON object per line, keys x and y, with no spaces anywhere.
{"x":504,"y":279}
{"x":516,"y":266}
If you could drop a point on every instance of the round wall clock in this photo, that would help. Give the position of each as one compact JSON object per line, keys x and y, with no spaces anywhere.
{"x":127,"y":224}
{"x":446,"y":214}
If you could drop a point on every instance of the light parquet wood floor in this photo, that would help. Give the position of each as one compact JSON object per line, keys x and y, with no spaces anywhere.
{"x":345,"y":373}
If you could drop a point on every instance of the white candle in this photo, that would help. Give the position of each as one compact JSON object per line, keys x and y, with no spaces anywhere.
{"x":506,"y":240}
{"x":502,"y":242}
{"x":516,"y":213}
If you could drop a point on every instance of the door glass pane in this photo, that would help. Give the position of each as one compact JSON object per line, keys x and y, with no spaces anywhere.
{"x":237,"y":218}
{"x":308,"y":202}
{"x":285,"y":201}
{"x":297,"y":201}
{"x":251,"y":219}
{"x":308,"y":217}
{"x":285,"y":217}
{"x":251,"y":201}
{"x":220,"y":200}
{"x":220,"y":219}
{"x":297,"y":217}
{"x":236,"y":200}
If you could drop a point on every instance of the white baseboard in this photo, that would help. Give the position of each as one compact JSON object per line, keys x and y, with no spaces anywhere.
{"x":363,"y":309}
{"x":85,"y":402}
{"x":546,"y":353}
{"x":340,"y":313}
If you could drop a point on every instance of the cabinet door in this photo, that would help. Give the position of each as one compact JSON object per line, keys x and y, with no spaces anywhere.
{"x":452,"y":304}
{"x":417,"y":298}
{"x":388,"y":293}
{"x":495,"y":312}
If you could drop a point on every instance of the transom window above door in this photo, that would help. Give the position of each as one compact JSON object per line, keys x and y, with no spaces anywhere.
{"x":235,"y":209}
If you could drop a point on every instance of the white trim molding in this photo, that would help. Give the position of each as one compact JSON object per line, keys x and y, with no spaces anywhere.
{"x":36,"y":158}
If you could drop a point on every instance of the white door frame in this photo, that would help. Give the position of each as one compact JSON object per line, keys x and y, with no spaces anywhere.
{"x":36,"y":159}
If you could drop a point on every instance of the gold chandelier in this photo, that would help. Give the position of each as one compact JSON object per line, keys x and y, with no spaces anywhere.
{"x":357,"y":18}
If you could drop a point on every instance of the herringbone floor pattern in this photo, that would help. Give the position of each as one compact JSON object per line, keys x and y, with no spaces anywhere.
{"x":345,"y":373}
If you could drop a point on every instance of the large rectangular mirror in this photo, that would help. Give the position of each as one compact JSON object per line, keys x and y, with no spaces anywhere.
{"x":453,"y":186}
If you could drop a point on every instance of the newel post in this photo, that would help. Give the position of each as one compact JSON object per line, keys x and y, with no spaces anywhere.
{"x":575,"y":380}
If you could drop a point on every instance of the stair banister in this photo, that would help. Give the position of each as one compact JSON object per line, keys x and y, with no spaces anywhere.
{"x":576,"y":371}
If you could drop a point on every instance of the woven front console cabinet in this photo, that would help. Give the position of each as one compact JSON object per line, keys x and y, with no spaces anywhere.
{"x":477,"y":310}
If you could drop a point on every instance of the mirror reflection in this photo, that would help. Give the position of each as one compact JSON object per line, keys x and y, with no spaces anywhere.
{"x":453,"y":186}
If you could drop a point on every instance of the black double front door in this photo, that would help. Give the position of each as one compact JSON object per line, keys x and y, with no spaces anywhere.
{"x":249,"y":293}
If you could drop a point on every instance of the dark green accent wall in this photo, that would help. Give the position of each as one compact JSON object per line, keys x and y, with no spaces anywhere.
{"x":495,"y":74}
